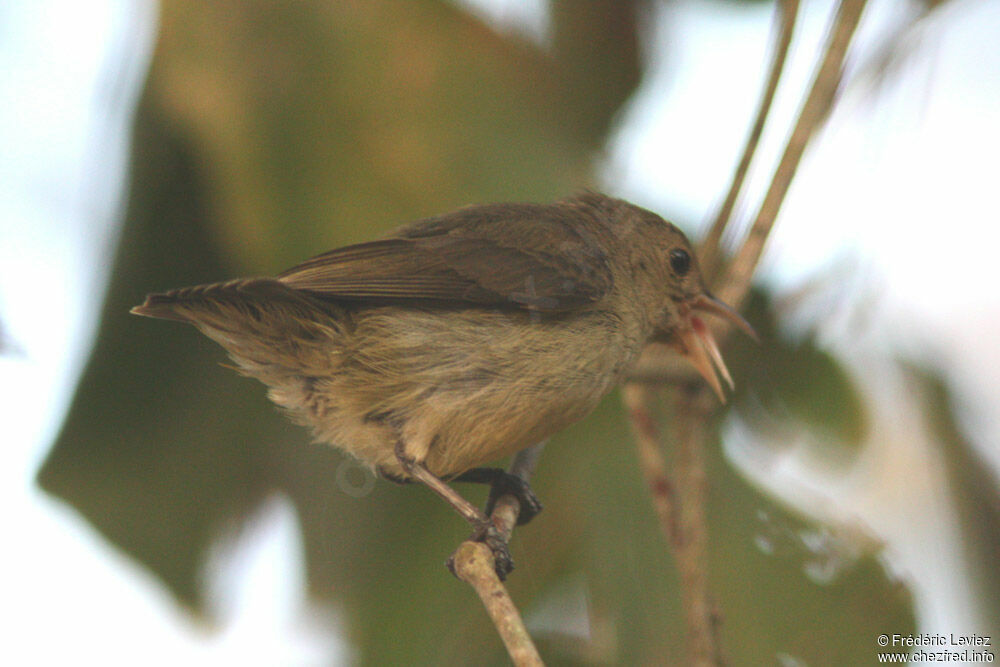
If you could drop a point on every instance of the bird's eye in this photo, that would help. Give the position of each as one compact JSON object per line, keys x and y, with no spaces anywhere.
{"x":680,"y":261}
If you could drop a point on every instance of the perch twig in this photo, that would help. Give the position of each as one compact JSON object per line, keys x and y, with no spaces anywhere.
{"x":473,"y":563}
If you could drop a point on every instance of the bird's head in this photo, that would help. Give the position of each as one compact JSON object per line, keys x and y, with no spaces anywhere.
{"x":670,"y":272}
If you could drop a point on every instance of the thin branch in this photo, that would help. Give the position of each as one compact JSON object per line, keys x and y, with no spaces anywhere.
{"x":658,"y":365}
{"x":680,"y":506}
{"x":694,"y":406}
{"x":473,"y":563}
{"x":785,"y":24}
{"x":814,"y":112}
{"x":637,"y":399}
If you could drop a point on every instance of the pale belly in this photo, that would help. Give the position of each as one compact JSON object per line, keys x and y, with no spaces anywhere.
{"x":460,"y":389}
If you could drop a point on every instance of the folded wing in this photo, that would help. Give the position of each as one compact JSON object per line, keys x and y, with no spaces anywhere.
{"x":517,"y":257}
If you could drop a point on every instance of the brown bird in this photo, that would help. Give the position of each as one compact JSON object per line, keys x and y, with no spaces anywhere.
{"x":463,"y":338}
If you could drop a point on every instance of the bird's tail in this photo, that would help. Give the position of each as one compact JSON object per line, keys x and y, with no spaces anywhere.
{"x":236,"y":301}
{"x":262,"y":323}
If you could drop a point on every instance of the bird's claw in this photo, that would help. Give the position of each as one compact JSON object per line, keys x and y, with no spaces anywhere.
{"x":502,"y":562}
{"x":520,"y":489}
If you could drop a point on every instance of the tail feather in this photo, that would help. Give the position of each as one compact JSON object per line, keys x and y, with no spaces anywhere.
{"x":164,"y":306}
{"x":261,"y":321}
{"x":235,"y":299}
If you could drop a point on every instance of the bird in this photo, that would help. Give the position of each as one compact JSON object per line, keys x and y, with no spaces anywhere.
{"x":457,"y":340}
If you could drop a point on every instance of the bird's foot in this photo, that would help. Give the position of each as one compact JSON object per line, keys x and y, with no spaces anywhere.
{"x":507,"y":483}
{"x":501,"y":483}
{"x":502,"y":562}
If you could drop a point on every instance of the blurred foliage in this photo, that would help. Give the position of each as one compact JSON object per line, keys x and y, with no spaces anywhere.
{"x":794,"y":380}
{"x":271,"y":131}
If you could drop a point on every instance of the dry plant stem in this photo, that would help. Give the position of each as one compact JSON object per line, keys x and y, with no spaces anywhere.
{"x":694,"y":407}
{"x":680,"y":506}
{"x":637,"y":399}
{"x":657,"y":366}
{"x":815,"y":110}
{"x":683,"y":516}
{"x":473,"y":563}
{"x":787,"y":11}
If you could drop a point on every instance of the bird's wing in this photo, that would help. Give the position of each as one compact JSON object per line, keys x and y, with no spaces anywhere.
{"x":522,"y":256}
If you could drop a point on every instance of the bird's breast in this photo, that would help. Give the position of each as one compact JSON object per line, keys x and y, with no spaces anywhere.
{"x":483,"y":385}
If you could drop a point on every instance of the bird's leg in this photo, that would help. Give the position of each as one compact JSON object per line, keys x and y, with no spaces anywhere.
{"x":420,"y":473}
{"x":502,"y":482}
{"x":483,"y":529}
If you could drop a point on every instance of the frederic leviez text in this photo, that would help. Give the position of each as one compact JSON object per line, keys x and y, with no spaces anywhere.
{"x":930,"y":639}
{"x":937,"y":648}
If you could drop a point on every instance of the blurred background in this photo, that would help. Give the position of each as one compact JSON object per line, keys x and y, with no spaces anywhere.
{"x":158,"y":509}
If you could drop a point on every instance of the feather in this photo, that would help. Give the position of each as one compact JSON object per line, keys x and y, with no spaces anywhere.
{"x":475,"y":256}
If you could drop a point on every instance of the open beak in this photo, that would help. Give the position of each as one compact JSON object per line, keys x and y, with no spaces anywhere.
{"x":699,"y":344}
